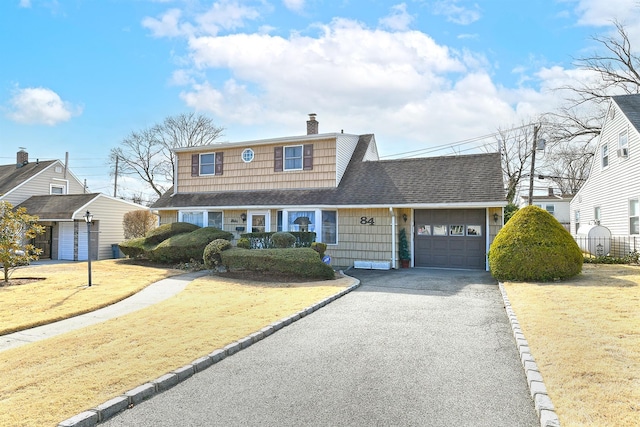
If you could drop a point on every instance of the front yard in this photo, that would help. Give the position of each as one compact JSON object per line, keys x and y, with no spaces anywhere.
{"x":585,"y":336}
{"x":49,"y":381}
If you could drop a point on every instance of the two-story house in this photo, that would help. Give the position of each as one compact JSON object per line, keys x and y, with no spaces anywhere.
{"x":335,"y":185}
{"x":611,"y":194}
{"x":49,"y":190}
{"x":556,"y":204}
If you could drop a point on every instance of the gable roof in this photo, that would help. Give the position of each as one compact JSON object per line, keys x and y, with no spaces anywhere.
{"x":57,"y":207}
{"x":460,"y":180}
{"x":12,"y":176}
{"x":630,"y":106}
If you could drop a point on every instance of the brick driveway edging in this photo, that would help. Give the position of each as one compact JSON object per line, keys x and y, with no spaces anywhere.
{"x":542,"y":401}
{"x":100,"y":413}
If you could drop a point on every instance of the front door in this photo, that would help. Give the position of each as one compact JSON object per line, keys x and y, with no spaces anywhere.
{"x":259,"y":221}
{"x":43,"y":242}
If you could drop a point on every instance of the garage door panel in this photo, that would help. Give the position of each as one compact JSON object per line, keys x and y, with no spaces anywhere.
{"x":457,"y":251}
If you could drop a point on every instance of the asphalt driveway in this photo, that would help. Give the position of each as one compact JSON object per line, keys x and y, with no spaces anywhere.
{"x":410,"y":347}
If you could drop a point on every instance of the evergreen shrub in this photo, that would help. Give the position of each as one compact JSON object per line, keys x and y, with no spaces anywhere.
{"x":298,"y":262}
{"x":186,"y":246}
{"x":282,"y":239}
{"x":534,"y":246}
{"x":211,"y":254}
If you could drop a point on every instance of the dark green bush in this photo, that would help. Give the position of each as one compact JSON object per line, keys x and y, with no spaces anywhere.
{"x":299,"y":262}
{"x":134,"y":248}
{"x":319,"y":247}
{"x":184,"y":247}
{"x":534,"y":246}
{"x":283,"y":239}
{"x":163,"y":232}
{"x":264,"y":240}
{"x":211,"y":254}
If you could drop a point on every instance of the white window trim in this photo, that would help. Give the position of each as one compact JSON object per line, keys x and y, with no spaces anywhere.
{"x":284,"y":158}
{"x":248,"y":150}
{"x":62,"y":186}
{"x":267,"y":220}
{"x":200,"y":164}
{"x":637,"y":215}
{"x":318,"y":214}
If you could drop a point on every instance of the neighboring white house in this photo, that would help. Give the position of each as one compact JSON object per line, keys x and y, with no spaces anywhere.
{"x":556,"y":204}
{"x":611,"y":195}
{"x":50,"y":191}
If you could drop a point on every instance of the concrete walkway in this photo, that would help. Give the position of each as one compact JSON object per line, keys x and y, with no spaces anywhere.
{"x":407,"y":348}
{"x":150,"y":295}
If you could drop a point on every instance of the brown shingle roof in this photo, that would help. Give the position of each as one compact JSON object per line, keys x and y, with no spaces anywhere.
{"x":469,"y":179}
{"x":12,"y":176}
{"x":56,"y":207}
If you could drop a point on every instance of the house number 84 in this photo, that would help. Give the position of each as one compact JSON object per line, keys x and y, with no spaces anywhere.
{"x":366,"y":220}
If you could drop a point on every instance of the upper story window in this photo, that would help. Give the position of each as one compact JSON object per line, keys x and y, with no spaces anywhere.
{"x":604,"y":156}
{"x":597,"y":214}
{"x":293,"y":158}
{"x":57,"y":189}
{"x":247,"y":155}
{"x":206,"y":164}
{"x":551,"y":209}
{"x":623,"y":144}
{"x":576,"y":216}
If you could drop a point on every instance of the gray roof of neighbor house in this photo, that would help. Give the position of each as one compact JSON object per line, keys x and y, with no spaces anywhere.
{"x":630,"y":106}
{"x":56,"y":207}
{"x":468,"y":179}
{"x":12,"y":176}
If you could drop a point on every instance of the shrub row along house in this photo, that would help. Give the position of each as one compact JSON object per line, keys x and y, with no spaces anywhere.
{"x":335,"y":185}
{"x":610,"y":196}
{"x":49,"y":190}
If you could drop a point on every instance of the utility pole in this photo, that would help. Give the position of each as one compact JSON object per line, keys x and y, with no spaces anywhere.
{"x":533,"y":161}
{"x":115,"y":181}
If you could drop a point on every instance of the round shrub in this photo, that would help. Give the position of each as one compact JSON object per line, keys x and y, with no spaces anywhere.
{"x":183,"y":247}
{"x":282,"y":239}
{"x":534,"y":246}
{"x":244,"y":243}
{"x":211,"y":254}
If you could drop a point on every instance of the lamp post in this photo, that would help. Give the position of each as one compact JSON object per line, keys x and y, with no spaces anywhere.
{"x":88,"y":217}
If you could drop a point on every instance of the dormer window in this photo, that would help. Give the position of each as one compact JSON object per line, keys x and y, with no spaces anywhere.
{"x":293,"y":157}
{"x":206,"y":164}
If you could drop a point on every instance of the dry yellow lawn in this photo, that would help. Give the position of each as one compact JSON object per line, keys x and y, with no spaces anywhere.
{"x":585,"y":336}
{"x":47,"y":382}
{"x":64,"y":293}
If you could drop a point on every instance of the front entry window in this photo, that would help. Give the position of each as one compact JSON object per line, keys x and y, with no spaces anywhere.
{"x":259,"y":222}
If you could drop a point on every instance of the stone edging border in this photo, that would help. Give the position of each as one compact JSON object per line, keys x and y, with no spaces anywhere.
{"x":100,"y":413}
{"x":542,"y":402}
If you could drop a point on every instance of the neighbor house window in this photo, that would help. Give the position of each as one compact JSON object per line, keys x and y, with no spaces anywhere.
{"x":195,"y":218}
{"x":293,"y":157}
{"x":208,"y":164}
{"x":214,"y":219}
{"x":634,"y":223}
{"x":604,"y":156}
{"x":330,"y":227}
{"x":623,"y":141}
{"x":596,"y":214}
{"x":57,"y":189}
{"x":576,"y":215}
{"x":551,"y":209}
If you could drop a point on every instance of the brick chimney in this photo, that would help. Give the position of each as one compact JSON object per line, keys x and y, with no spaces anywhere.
{"x":312,"y":125}
{"x":22,"y":158}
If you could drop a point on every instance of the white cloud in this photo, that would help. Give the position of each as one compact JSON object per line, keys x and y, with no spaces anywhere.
{"x":399,"y":19}
{"x":294,"y":5}
{"x":25,"y":3}
{"x":601,"y":13}
{"x":456,"y":13}
{"x":167,"y":26}
{"x":40,"y":106}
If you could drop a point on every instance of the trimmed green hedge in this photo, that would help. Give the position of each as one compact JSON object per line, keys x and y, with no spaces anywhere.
{"x":163,"y":232}
{"x":264,"y":240}
{"x":300,"y":262}
{"x":186,"y":246}
{"x":534,"y":246}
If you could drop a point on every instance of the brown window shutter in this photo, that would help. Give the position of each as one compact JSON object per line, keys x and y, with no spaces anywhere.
{"x":307,"y":157}
{"x":219,"y":162}
{"x":277,"y":159}
{"x":195,"y":164}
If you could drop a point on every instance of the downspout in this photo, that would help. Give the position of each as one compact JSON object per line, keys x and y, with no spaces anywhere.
{"x":393,"y":239}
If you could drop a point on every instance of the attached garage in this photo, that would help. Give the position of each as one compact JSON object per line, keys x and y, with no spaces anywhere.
{"x":450,"y":238}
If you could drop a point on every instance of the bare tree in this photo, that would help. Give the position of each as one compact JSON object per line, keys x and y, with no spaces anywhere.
{"x":567,"y":166}
{"x":148,"y":154}
{"x":515,"y":147}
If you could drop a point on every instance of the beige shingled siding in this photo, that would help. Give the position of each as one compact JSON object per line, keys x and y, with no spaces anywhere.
{"x":357,"y":241}
{"x":168,"y":217}
{"x":259,"y":174}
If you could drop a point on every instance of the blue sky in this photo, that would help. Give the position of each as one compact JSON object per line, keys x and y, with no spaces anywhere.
{"x":78,"y":76}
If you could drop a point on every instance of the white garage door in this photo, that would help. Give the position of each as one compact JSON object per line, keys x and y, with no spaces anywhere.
{"x":66,"y":242}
